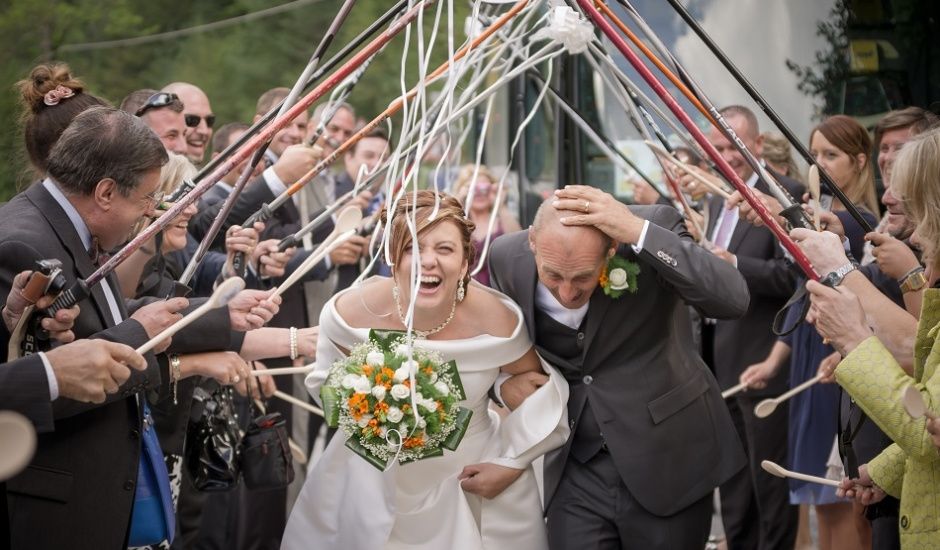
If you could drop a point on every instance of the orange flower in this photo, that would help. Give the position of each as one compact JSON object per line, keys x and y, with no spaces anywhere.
{"x":428,"y":370}
{"x":384,"y":377}
{"x":412,"y":442}
{"x":602,"y":280}
{"x":358,"y":405}
{"x":367,"y":370}
{"x":381,"y":406}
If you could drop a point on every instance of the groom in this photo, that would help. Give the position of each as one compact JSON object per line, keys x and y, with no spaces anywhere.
{"x":651,"y":437}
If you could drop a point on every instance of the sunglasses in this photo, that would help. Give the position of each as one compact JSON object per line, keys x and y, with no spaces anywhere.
{"x":193,"y":120}
{"x":156,"y":101}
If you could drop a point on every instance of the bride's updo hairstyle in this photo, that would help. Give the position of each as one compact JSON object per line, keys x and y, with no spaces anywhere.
{"x":51,"y":99}
{"x":421,"y":205}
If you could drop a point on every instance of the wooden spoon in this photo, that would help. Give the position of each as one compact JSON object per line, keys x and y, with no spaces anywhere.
{"x":812,"y":185}
{"x":346,"y":224}
{"x":222,"y":295}
{"x":775,"y":469}
{"x":733,"y":390}
{"x":17,"y":443}
{"x":914,"y":404}
{"x":766,"y":407}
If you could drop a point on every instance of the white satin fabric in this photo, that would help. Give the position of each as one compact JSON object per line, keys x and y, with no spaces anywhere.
{"x":348,"y":503}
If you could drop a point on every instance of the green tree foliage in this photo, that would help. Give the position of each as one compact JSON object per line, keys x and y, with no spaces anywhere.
{"x":234,"y":64}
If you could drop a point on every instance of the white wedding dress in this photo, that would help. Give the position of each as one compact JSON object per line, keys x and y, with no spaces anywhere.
{"x":346,"y":503}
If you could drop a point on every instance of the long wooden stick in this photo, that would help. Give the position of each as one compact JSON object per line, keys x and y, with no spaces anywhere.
{"x":302,"y":404}
{"x":660,"y":152}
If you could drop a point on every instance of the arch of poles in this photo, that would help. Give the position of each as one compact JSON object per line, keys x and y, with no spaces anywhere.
{"x":437,"y":111}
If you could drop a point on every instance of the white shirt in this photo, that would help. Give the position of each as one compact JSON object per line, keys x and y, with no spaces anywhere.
{"x":751,"y":182}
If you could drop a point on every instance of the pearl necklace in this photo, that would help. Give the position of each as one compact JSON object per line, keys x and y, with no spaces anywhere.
{"x":423,"y":333}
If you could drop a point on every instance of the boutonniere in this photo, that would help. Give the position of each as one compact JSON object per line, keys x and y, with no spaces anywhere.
{"x":619,"y":275}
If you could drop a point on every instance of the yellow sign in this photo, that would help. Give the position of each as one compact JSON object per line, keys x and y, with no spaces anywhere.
{"x":864,"y":56}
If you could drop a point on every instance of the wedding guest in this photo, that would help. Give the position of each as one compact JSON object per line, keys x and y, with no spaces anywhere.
{"x":478,"y":184}
{"x":872,"y":375}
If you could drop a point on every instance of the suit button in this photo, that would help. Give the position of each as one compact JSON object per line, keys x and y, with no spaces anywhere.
{"x":135,"y":434}
{"x":580,"y":337}
{"x":588,"y":380}
{"x":128,"y":485}
{"x":905,"y":522}
{"x":571,"y":423}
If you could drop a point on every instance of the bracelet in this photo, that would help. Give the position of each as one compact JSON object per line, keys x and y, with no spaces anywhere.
{"x":293,"y":343}
{"x":175,"y":373}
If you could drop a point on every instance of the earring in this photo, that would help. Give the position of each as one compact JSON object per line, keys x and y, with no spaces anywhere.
{"x":461,"y":293}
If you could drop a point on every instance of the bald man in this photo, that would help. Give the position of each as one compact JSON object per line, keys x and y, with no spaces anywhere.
{"x":199,"y":119}
{"x":651,"y":437}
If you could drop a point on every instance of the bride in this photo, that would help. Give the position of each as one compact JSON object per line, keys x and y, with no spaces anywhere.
{"x":484,"y":494}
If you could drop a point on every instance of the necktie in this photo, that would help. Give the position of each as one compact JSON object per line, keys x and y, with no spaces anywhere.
{"x":724,"y":230}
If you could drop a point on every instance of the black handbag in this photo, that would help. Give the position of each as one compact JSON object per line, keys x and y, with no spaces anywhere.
{"x":266,"y":461}
{"x":212,"y":440}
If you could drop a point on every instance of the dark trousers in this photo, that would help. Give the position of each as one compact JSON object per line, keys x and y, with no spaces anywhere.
{"x":755,"y":506}
{"x":592,"y":509}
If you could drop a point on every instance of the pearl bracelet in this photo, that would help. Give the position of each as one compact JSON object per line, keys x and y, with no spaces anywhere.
{"x":293,"y":343}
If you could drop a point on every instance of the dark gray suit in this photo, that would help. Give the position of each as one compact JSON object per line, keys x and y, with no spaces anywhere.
{"x":667,"y":434}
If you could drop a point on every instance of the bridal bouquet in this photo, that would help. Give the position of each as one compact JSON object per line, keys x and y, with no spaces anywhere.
{"x":395,"y":405}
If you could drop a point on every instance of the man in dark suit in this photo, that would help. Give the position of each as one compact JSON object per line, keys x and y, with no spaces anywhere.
{"x":755,"y":506}
{"x":651,"y":438}
{"x":79,"y":489}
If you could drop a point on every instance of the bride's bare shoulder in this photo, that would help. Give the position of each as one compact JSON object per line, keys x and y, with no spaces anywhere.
{"x":488,"y":309}
{"x":367,"y":304}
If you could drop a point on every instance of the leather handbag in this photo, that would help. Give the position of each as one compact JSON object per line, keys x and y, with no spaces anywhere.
{"x":212,"y":440}
{"x":266,"y":461}
{"x":153,"y":519}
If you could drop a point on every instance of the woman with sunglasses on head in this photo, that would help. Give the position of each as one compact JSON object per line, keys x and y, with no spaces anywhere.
{"x":484,"y":189}
{"x":483,"y":494}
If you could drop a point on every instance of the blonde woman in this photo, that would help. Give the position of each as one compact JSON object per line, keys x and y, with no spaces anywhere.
{"x":485,"y":188}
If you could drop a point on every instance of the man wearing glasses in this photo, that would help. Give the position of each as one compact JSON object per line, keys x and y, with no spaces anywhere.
{"x":197,"y":113}
{"x":163,"y":113}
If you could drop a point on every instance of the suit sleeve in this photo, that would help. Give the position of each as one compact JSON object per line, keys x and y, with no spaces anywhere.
{"x":24,"y":388}
{"x":252,"y":198}
{"x":772,"y":277}
{"x":876,"y":382}
{"x":708,"y":283}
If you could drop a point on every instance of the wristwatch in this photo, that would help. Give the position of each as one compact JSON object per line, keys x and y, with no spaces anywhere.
{"x":834,"y":278}
{"x":914,"y":280}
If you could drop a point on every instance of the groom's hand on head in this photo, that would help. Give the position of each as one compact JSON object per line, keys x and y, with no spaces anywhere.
{"x":515,"y":390}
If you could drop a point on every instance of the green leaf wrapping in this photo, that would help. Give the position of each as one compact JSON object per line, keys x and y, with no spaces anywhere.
{"x":451,"y":368}
{"x":355,"y":446}
{"x":437,"y":451}
{"x":462,"y":422}
{"x":330,"y":398}
{"x":385,"y":338}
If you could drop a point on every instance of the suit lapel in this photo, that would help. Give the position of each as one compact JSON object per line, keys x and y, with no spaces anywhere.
{"x":737,"y":236}
{"x":60,"y":223}
{"x":526,"y":279}
{"x":597,"y":309}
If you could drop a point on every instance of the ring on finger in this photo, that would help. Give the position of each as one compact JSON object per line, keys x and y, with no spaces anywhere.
{"x":587,"y":206}
{"x":235,"y":379}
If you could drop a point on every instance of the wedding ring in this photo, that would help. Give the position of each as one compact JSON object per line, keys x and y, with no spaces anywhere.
{"x":587,"y":206}
{"x":235,"y":379}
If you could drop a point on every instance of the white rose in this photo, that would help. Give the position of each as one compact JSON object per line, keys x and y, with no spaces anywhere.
{"x":375,"y":358}
{"x":405,"y":371}
{"x":402,"y":350}
{"x":618,"y":279}
{"x":442,"y":387}
{"x":364,"y":421}
{"x":400,"y":391}
{"x":421,"y":423}
{"x":430,"y":405}
{"x":349,"y":381}
{"x":362,"y":385}
{"x":378,"y":392}
{"x":433,"y":377}
{"x":394,"y":415}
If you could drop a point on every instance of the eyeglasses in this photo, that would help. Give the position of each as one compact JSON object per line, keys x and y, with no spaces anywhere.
{"x":193,"y":120}
{"x":154,"y":198}
{"x":156,"y":101}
